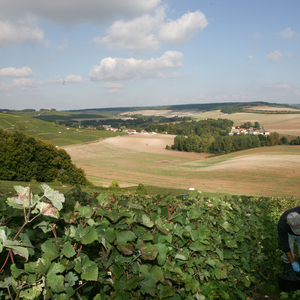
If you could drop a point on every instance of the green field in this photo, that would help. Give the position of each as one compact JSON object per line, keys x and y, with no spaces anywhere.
{"x":61,"y":115}
{"x":59,"y":135}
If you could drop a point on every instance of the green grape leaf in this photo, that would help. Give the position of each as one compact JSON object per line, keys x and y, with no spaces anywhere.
{"x":148,"y":286}
{"x":149,"y":252}
{"x":68,"y":250}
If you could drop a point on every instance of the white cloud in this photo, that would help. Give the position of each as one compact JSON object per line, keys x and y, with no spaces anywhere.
{"x":114,"y":85}
{"x":74,"y":12}
{"x":4,"y":86}
{"x":21,"y":31}
{"x":276,"y":55}
{"x":250,"y":57}
{"x":289,"y":55}
{"x":183,"y":29}
{"x":287,"y":33}
{"x":24,"y":82}
{"x":147,"y":32}
{"x":135,"y":34}
{"x":240,"y":96}
{"x":132,"y":69}
{"x":176,"y":74}
{"x":277,"y":86}
{"x":201,"y":95}
{"x":74,"y":79}
{"x":13,"y":72}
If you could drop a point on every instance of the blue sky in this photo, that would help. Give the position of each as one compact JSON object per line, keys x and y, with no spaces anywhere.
{"x":76,"y":54}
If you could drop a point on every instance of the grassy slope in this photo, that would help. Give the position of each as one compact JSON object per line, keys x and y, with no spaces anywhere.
{"x":57,"y":134}
{"x":61,"y":115}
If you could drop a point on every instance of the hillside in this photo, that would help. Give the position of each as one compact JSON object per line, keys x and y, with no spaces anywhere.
{"x":134,"y":159}
{"x":59,"y":135}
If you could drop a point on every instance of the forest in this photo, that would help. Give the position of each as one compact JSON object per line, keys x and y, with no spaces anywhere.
{"x":25,"y":158}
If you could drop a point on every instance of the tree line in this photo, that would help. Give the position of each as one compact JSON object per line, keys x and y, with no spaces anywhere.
{"x":211,"y":136}
{"x":25,"y":158}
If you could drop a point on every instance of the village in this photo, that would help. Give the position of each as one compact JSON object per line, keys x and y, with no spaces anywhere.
{"x":251,"y":130}
{"x":236,"y":129}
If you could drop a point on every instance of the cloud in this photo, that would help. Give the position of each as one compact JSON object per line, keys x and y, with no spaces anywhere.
{"x":115,"y":85}
{"x":276,"y":55}
{"x":111,"y":69}
{"x":13,"y":72}
{"x":31,"y":84}
{"x":148,"y":32}
{"x":24,"y":82}
{"x":277,"y":86}
{"x":114,"y":91}
{"x":289,"y":55}
{"x":297,"y":93}
{"x":20,"y":31}
{"x":250,"y":57}
{"x":287,"y":33}
{"x":222,"y":97}
{"x":73,"y":12}
{"x":241,"y":96}
{"x":74,"y":79}
{"x":134,"y":34}
{"x":176,"y":74}
{"x":4,"y":86}
{"x":183,"y":29}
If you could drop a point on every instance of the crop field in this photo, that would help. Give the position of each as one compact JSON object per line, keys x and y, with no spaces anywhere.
{"x":288,"y":124}
{"x":268,"y":171}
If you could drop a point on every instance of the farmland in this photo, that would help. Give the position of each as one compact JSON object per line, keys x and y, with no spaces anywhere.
{"x":268,"y":171}
{"x":50,"y":131}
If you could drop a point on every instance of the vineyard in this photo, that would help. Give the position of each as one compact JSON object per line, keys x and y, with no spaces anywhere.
{"x":93,"y":246}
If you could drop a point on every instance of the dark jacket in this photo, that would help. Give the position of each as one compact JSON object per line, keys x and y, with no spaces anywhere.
{"x":284,"y":229}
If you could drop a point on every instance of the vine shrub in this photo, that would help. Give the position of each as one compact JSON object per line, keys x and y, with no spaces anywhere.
{"x":82,"y":246}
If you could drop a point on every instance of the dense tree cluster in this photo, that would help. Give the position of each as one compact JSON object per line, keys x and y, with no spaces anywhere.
{"x":24,"y":158}
{"x":210,"y":127}
{"x":211,"y":136}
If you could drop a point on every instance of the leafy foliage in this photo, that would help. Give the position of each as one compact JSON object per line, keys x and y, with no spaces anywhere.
{"x":136,"y":247}
{"x":24,"y":158}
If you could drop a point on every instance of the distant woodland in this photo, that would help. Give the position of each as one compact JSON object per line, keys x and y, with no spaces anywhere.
{"x":211,"y":136}
{"x":25,"y":158}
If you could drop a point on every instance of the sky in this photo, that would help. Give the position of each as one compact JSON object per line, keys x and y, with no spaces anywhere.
{"x":76,"y":54}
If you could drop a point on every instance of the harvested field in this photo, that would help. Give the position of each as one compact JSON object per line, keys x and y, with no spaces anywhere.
{"x":291,"y":127}
{"x":268,"y":171}
{"x":270,"y":108}
{"x":166,"y":113}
